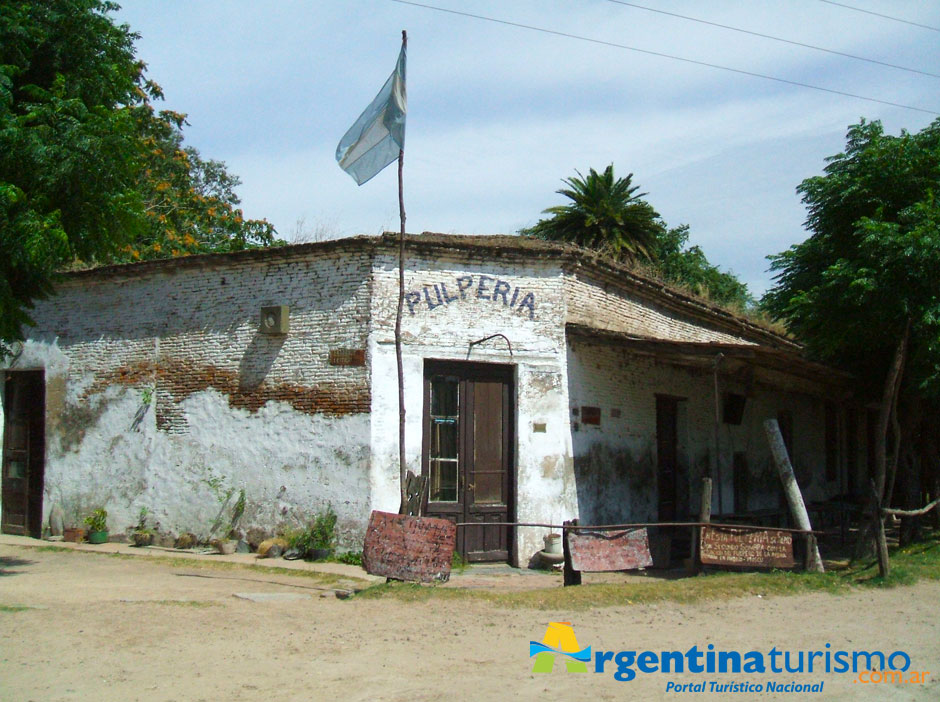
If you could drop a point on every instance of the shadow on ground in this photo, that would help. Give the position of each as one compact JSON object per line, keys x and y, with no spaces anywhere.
{"x":9,"y":562}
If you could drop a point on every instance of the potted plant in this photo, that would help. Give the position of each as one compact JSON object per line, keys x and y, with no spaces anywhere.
{"x":323,"y":534}
{"x":143,"y":535}
{"x":74,"y":534}
{"x":97,"y":523}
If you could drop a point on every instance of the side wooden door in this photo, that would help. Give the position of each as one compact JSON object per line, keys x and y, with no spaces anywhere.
{"x":23,"y":453}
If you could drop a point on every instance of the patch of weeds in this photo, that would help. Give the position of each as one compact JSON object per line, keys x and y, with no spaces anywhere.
{"x":458,"y":564}
{"x":13,"y":608}
{"x":203,"y":563}
{"x":349,"y":558}
{"x":406,"y":592}
{"x":908,"y":565}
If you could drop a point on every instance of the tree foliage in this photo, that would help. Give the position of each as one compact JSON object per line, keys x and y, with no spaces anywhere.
{"x":89,"y":170}
{"x":607,"y":215}
{"x":862,"y":291}
{"x":67,"y":144}
{"x":680,"y":263}
{"x":871,"y":262}
{"x":189,"y":203}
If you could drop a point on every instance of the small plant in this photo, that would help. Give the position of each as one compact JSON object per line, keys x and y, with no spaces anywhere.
{"x":97,"y":520}
{"x":350,"y":558}
{"x":458,"y":563}
{"x":323,"y":530}
{"x":143,"y":535}
{"x":298,"y":539}
{"x":142,"y":521}
{"x":316,"y":541}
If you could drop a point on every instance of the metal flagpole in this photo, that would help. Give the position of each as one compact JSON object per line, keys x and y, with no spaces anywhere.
{"x":398,"y":317}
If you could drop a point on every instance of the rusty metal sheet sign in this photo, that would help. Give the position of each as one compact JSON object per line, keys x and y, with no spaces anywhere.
{"x":767,"y":548}
{"x":418,"y":549}
{"x":598,"y":551}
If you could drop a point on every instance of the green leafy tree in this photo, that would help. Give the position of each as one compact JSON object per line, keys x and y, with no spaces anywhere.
{"x":678,"y":262}
{"x":90,"y":172}
{"x":189,"y":203}
{"x":862,"y":291}
{"x":68,"y":144}
{"x":605,"y":214}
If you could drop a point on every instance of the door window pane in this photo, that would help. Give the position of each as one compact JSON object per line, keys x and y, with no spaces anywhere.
{"x":445,"y":432}
{"x":443,"y":481}
{"x":17,"y":436}
{"x":488,"y":487}
{"x":16,"y":469}
{"x":444,"y":396}
{"x":488,"y":469}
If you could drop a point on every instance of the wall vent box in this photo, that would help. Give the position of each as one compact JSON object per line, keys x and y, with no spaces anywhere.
{"x":274,"y":320}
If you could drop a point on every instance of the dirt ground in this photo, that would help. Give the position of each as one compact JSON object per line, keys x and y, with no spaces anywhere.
{"x":100,"y":628}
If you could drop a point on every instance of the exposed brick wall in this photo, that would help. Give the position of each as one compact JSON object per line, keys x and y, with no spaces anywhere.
{"x":174,"y":380}
{"x":185,"y":330}
{"x":606,"y":305}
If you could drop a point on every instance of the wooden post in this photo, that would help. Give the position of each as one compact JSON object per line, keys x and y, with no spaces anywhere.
{"x":878,"y":527}
{"x":704,"y":516}
{"x":792,"y":490}
{"x":572,"y":576}
{"x":402,"y":463}
{"x":414,"y":494}
{"x":721,"y":507}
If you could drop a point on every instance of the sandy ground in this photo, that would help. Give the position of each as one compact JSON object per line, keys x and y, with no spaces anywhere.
{"x":142,"y":629}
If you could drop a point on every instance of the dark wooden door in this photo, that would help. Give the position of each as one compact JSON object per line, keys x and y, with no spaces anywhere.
{"x":468,"y":443}
{"x":667,"y":456}
{"x":23,"y":452}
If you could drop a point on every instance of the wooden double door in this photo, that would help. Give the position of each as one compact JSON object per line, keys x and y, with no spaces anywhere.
{"x":469,"y":424}
{"x":23,"y":454}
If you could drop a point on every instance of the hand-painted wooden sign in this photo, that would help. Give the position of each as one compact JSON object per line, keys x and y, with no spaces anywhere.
{"x":598,"y":551}
{"x":767,"y":548}
{"x":418,"y":549}
{"x":464,"y":287}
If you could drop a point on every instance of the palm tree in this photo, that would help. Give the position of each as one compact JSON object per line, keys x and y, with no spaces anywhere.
{"x":605,"y":215}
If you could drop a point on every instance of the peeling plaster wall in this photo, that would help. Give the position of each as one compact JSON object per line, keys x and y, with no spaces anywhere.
{"x":615,"y":462}
{"x":162,"y":393}
{"x":435,"y":328}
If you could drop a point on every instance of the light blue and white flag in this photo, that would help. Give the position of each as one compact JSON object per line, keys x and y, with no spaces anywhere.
{"x":375,"y":139}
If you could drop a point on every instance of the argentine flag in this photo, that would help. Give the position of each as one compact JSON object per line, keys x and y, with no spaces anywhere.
{"x":378,"y":135}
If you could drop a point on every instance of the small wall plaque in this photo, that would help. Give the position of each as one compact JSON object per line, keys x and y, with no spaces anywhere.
{"x":347,"y":357}
{"x":591,"y":415}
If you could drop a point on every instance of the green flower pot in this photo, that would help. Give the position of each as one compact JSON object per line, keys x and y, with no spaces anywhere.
{"x":97,"y":537}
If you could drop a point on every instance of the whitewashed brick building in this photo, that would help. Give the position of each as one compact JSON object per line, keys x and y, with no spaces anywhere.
{"x":542,"y":383}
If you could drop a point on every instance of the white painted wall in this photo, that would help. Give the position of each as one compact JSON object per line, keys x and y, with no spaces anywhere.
{"x":235,"y":409}
{"x":544,"y":477}
{"x":615,"y":463}
{"x":161,"y":393}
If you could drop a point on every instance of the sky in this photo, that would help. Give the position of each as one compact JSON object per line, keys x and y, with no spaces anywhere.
{"x":499,"y":115}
